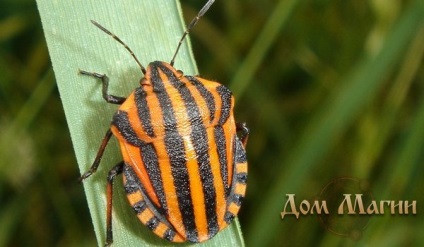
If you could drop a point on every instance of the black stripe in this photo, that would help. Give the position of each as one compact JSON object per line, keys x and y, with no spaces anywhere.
{"x":225,"y":95}
{"x":240,"y":153}
{"x":133,"y":184}
{"x":175,"y":148}
{"x":152,"y":223}
{"x":199,"y":139}
{"x":237,"y":199}
{"x":150,"y":160}
{"x":169,"y":235}
{"x":221,"y":145}
{"x":143,"y":111}
{"x":241,"y":178}
{"x":210,"y":101}
{"x":228,"y":217}
{"x":121,"y":121}
{"x":140,"y":206}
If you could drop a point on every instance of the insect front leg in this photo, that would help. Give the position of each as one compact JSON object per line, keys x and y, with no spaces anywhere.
{"x":116,"y":170}
{"x":105,"y":82}
{"x":99,"y":156}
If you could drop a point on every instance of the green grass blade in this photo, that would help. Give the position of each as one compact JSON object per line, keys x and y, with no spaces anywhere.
{"x":266,"y":37}
{"x":152,"y":29}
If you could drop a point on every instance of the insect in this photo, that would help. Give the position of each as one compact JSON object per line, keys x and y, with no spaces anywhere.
{"x":184,"y":162}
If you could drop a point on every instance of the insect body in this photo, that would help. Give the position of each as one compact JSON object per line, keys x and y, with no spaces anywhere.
{"x":184,"y":166}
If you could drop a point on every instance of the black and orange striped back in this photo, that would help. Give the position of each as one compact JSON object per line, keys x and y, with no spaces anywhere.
{"x":178,"y":137}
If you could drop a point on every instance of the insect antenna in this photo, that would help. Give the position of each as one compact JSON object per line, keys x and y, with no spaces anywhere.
{"x":122,"y":43}
{"x":190,"y":26}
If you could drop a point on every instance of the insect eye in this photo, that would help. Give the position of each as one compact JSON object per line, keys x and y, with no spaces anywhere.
{"x":179,"y":74}
{"x":144,"y":82}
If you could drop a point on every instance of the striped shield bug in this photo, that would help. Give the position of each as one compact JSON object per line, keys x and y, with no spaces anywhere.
{"x":184,"y":161}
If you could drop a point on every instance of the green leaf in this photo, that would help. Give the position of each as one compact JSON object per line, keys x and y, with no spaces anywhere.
{"x":152,"y":29}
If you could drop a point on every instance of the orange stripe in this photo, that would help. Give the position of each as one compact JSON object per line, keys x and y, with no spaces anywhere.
{"x":141,"y":172}
{"x":233,"y":208}
{"x":229,"y":133}
{"x":163,"y":158}
{"x":229,"y":126}
{"x":200,"y":101}
{"x":241,"y":168}
{"x":131,"y":156}
{"x":135,"y":197}
{"x":145,"y":216}
{"x":160,"y":229}
{"x":218,"y":105}
{"x":213,"y":151}
{"x":240,"y":189}
{"x":196,"y":187}
{"x":178,"y":238}
{"x":130,"y":106}
{"x":221,"y":204}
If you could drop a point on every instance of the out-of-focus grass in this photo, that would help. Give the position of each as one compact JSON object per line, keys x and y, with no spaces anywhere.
{"x":333,"y":88}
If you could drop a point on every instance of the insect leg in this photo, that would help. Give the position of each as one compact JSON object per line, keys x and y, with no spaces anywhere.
{"x":244,"y":132}
{"x":99,"y":156}
{"x":105,"y":82}
{"x":116,"y":170}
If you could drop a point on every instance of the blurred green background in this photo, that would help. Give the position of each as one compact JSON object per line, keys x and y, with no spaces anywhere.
{"x":328,"y":88}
